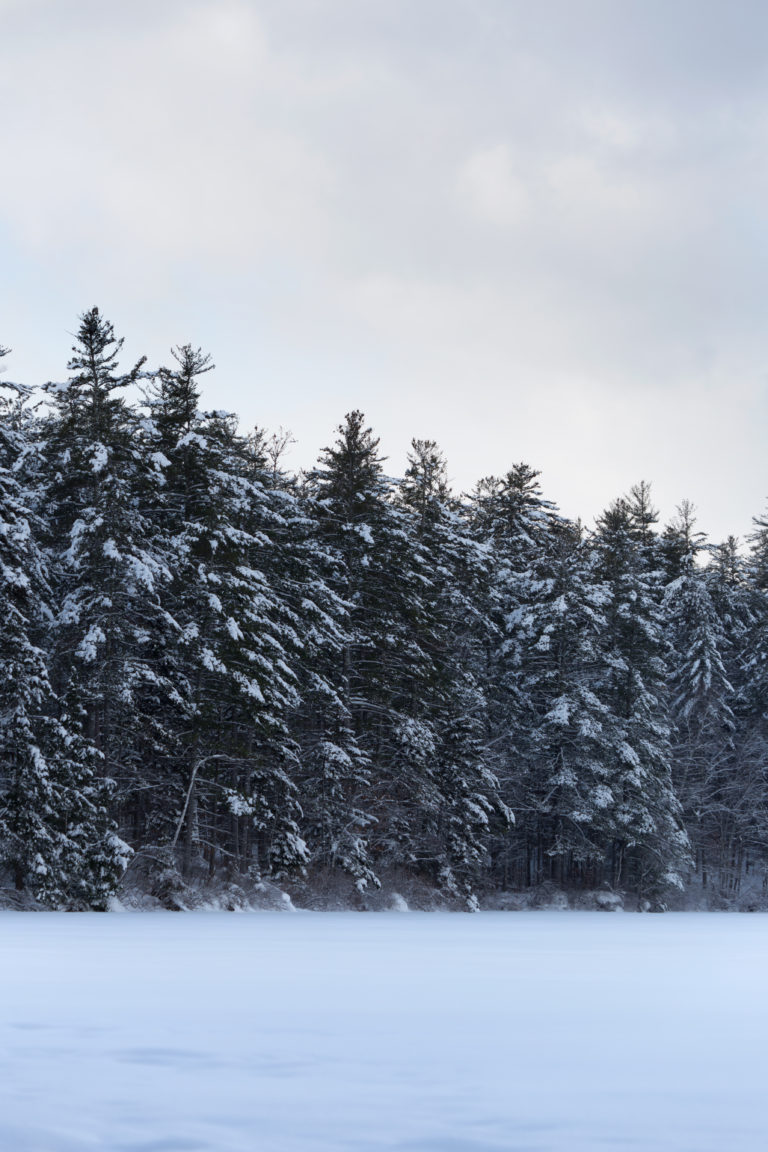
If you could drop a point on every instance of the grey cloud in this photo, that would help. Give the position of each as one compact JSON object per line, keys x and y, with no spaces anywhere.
{"x":532,"y":231}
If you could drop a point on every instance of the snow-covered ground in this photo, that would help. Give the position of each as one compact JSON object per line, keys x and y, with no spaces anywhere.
{"x":418,"y":1032}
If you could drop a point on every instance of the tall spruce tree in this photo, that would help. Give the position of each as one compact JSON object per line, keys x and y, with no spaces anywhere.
{"x":516,"y":526}
{"x":650,"y":848}
{"x":335,"y":767}
{"x":111,"y":628}
{"x":451,"y":571}
{"x":232,"y":767}
{"x":573,"y":739}
{"x":740,"y":590}
{"x":356,"y":521}
{"x":386,"y":670}
{"x":56,"y":838}
{"x":701,"y":694}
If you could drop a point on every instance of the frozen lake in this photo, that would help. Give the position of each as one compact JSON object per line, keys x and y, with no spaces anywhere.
{"x":275,"y":1032}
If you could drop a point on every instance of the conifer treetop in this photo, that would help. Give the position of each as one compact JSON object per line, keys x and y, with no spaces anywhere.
{"x":94,"y":359}
{"x":177,"y":395}
{"x":87,"y":398}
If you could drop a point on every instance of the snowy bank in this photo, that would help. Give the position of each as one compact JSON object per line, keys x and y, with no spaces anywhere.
{"x":427,"y":1033}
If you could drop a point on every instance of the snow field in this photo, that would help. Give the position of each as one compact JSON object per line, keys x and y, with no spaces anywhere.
{"x":567,"y":1032}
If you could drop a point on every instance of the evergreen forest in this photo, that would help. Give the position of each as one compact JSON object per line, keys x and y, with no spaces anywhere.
{"x":214,"y":671}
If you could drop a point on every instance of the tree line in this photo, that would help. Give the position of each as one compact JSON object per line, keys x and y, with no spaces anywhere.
{"x":208,"y":661}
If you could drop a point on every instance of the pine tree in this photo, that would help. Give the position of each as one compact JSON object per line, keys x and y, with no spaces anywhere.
{"x":111,"y":629}
{"x":335,"y":768}
{"x":384,"y":683}
{"x":451,"y":571}
{"x":234,"y":763}
{"x":740,"y":591}
{"x":516,"y":526}
{"x":56,"y":838}
{"x":702,"y":696}
{"x":650,"y":847}
{"x":350,"y":494}
{"x":573,"y":738}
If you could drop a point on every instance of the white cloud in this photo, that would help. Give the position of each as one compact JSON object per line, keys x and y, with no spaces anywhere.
{"x":492,"y":189}
{"x":181,"y":156}
{"x":486,"y":223}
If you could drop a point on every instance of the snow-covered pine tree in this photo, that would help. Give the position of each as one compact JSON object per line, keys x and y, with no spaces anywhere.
{"x":650,"y":848}
{"x":56,"y":838}
{"x":300,"y":568}
{"x":385,"y":671}
{"x":572,"y":738}
{"x":111,"y":631}
{"x":357,"y":523}
{"x":740,"y":591}
{"x":335,"y":770}
{"x":232,"y":773}
{"x":679,"y":543}
{"x":701,"y":695}
{"x":516,"y":525}
{"x":451,"y":633}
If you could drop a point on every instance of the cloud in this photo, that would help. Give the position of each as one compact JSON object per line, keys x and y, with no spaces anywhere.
{"x":540,"y":227}
{"x":492,"y":189}
{"x":163,"y":138}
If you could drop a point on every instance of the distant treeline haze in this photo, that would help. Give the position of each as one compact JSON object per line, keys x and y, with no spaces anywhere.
{"x":342,"y":677}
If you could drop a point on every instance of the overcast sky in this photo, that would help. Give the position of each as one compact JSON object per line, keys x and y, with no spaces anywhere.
{"x":530,"y":231}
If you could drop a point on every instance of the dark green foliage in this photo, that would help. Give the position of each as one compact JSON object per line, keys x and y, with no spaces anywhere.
{"x":345,"y":679}
{"x":650,"y":847}
{"x":231,"y":761}
{"x":57,"y":840}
